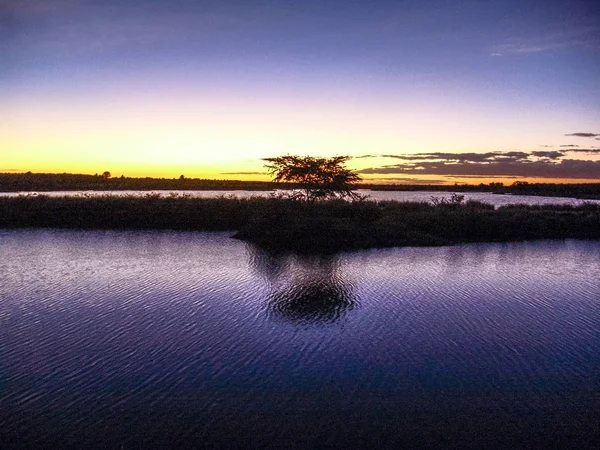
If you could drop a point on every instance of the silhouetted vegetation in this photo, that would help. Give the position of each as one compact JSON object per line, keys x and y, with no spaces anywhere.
{"x":127,"y":212}
{"x":581,"y":190}
{"x":328,"y":226}
{"x":45,"y":182}
{"x":315,"y":178}
{"x":574,"y":190}
{"x":339,"y":225}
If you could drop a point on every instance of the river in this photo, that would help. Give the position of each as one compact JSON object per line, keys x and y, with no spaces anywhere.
{"x":402,"y":196}
{"x":112,"y":339}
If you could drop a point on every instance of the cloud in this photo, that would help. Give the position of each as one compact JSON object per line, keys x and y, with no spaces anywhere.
{"x":588,"y":151}
{"x":482,"y":176}
{"x":365,"y":156}
{"x":569,"y":145}
{"x":585,"y":135}
{"x":460,"y":157}
{"x":540,"y":164}
{"x":404,"y":157}
{"x":75,"y":28}
{"x":571,"y":36}
{"x":485,"y":158}
{"x":243,"y":173}
{"x":551,"y":154}
{"x":407,"y":180}
{"x":521,"y":49}
{"x":568,"y":168}
{"x":36,"y":6}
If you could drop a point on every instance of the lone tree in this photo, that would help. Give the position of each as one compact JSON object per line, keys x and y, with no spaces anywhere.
{"x":316,"y":178}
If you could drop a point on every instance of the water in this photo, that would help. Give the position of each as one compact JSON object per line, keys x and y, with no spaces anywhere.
{"x":162,"y":339}
{"x":416,"y":196}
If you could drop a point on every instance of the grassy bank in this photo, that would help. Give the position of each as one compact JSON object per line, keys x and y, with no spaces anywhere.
{"x":328,"y":226}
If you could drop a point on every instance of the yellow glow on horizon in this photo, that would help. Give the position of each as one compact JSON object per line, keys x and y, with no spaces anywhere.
{"x":224,"y":135}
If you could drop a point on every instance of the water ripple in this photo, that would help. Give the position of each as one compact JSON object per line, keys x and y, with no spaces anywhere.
{"x":135,"y":339}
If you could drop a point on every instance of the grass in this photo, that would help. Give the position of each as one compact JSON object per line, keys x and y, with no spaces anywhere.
{"x":282,"y":224}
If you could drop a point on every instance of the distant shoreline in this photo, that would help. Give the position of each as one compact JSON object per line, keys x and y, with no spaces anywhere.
{"x":328,"y":226}
{"x":45,"y":182}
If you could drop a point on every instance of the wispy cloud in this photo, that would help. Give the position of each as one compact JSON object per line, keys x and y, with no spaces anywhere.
{"x":583,"y":37}
{"x":551,"y":154}
{"x":522,"y":49}
{"x":408,"y":180}
{"x":365,"y":156}
{"x":243,"y":173}
{"x":584,"y":135}
{"x":76,"y":28}
{"x":588,"y":151}
{"x":484,"y":176}
{"x":23,"y":7}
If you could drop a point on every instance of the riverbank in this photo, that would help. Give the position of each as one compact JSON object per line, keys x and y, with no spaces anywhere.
{"x":282,"y":224}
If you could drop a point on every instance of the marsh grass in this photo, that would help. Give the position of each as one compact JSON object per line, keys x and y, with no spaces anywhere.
{"x":284,"y":224}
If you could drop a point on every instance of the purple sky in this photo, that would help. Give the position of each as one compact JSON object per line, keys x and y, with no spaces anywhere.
{"x":210,"y":87}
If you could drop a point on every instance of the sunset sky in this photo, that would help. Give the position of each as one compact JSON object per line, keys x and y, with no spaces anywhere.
{"x":416,"y":91}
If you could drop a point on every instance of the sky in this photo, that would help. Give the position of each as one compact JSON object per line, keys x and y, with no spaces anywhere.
{"x":425,"y":91}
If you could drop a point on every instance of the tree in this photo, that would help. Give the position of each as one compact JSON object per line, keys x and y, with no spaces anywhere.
{"x":106,"y":175}
{"x":316,"y":178}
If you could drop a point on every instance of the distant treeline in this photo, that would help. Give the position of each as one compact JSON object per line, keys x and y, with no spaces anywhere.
{"x":44,"y":182}
{"x":575,"y":190}
{"x":283,"y":224}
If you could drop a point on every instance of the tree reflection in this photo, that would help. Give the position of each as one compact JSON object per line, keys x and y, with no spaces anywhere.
{"x":304,"y":289}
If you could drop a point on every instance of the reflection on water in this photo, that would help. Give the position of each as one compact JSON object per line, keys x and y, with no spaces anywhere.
{"x":314,"y":301}
{"x":304,"y":289}
{"x":165,"y":340}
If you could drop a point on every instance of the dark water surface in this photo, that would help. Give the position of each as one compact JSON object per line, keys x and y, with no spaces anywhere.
{"x":161,"y":339}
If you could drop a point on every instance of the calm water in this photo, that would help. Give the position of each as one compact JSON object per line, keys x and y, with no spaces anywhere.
{"x":161,"y":339}
{"x":417,"y":196}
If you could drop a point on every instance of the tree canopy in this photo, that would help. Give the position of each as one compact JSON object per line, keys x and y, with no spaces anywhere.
{"x":315,"y":177}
